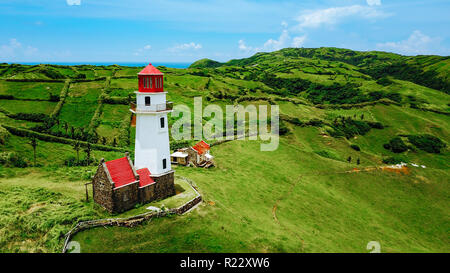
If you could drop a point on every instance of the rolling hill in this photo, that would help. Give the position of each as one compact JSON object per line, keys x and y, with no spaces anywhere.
{"x":346,"y":118}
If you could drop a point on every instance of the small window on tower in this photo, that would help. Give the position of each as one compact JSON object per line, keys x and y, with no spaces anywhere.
{"x":162,"y":122}
{"x":151,"y":82}
{"x":164,"y":163}
{"x":147,"y":101}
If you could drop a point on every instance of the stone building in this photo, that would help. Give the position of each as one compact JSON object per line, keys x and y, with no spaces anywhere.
{"x":118,"y":186}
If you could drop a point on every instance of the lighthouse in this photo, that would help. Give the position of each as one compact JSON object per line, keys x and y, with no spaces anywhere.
{"x":152,"y":149}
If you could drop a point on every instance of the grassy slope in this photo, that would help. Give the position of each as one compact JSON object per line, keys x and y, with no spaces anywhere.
{"x":319,"y":207}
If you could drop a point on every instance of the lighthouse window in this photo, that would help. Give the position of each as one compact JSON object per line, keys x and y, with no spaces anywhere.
{"x":145,"y":82}
{"x":151,"y":81}
{"x":147,"y":101}
{"x":164,"y":163}
{"x":162,"y":122}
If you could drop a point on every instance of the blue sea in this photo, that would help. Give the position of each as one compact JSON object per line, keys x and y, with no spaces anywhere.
{"x":167,"y":64}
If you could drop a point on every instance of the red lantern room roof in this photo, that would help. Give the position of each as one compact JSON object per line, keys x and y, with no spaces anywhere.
{"x":150,"y":70}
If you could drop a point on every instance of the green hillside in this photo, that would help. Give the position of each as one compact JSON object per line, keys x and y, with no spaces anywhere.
{"x":346,"y":116}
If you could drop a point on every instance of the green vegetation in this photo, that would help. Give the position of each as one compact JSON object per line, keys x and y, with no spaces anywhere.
{"x":321,"y":191}
{"x":396,"y":145}
{"x":428,"y":143}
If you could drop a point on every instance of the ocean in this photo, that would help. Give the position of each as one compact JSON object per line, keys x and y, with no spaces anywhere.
{"x":167,"y":64}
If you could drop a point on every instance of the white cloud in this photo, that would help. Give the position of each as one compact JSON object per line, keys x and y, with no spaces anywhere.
{"x":243,"y":46}
{"x":298,"y":41}
{"x":332,"y":16}
{"x":186,"y":46}
{"x":15,"y":49}
{"x":282,"y":42}
{"x":272,"y":45}
{"x":142,"y":50}
{"x":73,"y":2}
{"x":374,"y":2}
{"x":417,"y":43}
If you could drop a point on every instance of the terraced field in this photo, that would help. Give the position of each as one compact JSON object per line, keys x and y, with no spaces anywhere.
{"x":331,"y":186}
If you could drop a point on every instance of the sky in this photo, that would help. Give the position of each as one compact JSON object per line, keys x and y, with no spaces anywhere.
{"x":188,"y":30}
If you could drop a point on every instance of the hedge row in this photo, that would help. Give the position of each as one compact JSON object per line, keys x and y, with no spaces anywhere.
{"x":89,"y":80}
{"x":116,"y":100}
{"x":49,"y":138}
{"x":356,"y":105}
{"x":35,"y":80}
{"x":62,"y":98}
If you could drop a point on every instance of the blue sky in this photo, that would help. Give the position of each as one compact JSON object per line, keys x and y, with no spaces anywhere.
{"x":187,"y":30}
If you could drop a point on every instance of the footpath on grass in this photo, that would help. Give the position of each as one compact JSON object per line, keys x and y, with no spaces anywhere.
{"x":135,"y":219}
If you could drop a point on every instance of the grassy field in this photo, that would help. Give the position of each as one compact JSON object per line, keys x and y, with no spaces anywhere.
{"x":303,"y":197}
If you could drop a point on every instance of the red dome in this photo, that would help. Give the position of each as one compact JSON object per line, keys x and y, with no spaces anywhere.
{"x":150,"y":70}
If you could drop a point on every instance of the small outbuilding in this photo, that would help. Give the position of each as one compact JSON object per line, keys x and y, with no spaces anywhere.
{"x":197,"y":155}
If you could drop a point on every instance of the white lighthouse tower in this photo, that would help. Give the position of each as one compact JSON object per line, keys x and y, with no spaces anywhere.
{"x":152,"y":149}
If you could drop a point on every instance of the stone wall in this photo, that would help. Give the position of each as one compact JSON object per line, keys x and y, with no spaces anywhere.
{"x":126,"y":197}
{"x":147,"y":193}
{"x":102,"y":189}
{"x":164,"y":186}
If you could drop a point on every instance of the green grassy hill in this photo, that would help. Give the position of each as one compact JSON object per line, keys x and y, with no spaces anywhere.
{"x":374,"y":108}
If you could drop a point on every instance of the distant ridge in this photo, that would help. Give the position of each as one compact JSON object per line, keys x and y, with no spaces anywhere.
{"x":427,"y":70}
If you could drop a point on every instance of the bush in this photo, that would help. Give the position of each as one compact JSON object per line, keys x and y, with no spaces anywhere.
{"x":396,"y":145}
{"x":375,"y":124}
{"x":427,"y":143}
{"x":393,"y":160}
{"x":355,"y":147}
{"x":175,"y":145}
{"x":4,"y":135}
{"x":349,"y":127}
{"x":385,"y":81}
{"x":12,"y":159}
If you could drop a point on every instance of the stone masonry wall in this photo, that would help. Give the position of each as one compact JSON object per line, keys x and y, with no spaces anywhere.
{"x":126,"y":197}
{"x":102,"y":189}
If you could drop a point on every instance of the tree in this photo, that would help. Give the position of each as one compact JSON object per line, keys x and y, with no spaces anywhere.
{"x":358,"y":161}
{"x":66,"y":126}
{"x":72,"y":131}
{"x":104,"y":140}
{"x":88,"y":150}
{"x":349,"y":159}
{"x":76,"y":147}
{"x":114,"y":142}
{"x":33,"y":144}
{"x":362,"y":116}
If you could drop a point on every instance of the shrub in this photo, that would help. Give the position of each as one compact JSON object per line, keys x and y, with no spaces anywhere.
{"x":393,"y":160}
{"x":355,"y":147}
{"x":4,"y":135}
{"x":428,"y":143}
{"x":175,"y":145}
{"x":12,"y":159}
{"x":385,"y":81}
{"x":396,"y":145}
{"x":349,"y":127}
{"x":375,"y":124}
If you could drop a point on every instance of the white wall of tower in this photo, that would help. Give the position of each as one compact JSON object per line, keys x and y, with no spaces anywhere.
{"x":152,"y":141}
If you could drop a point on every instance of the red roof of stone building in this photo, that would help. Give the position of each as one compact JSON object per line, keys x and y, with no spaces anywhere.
{"x":144,"y":177}
{"x":201,"y":147}
{"x":150,"y":70}
{"x":120,"y":171}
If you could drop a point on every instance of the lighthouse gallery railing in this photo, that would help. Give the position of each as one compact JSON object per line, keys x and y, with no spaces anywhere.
{"x":152,"y":108}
